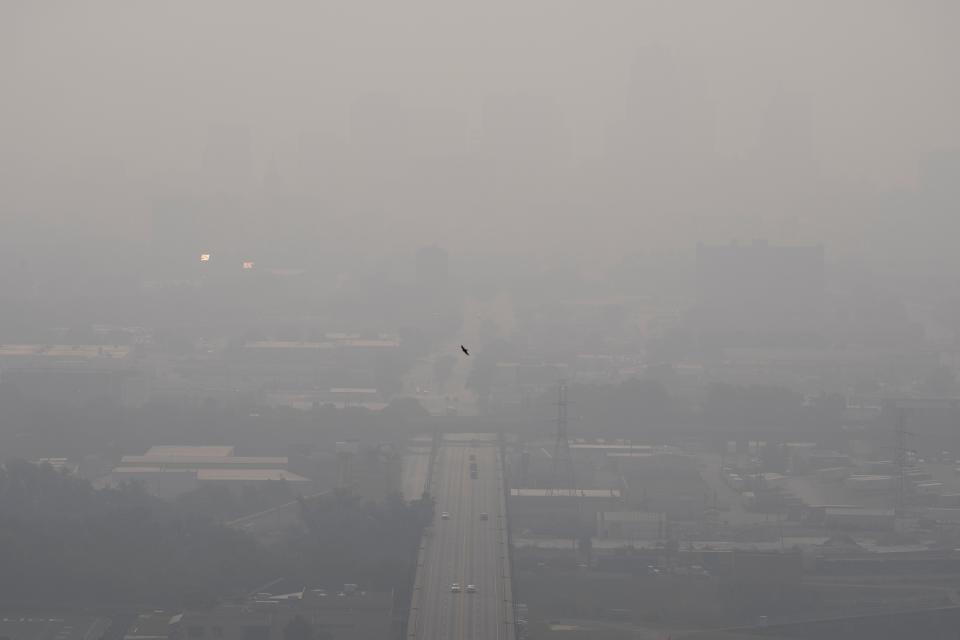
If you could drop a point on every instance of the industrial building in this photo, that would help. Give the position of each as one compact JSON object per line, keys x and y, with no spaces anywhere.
{"x":631,"y":525}
{"x":41,"y":626}
{"x":560,"y":511}
{"x":348,"y":614}
{"x":204,"y":462}
{"x":857,"y":518}
{"x":150,"y":625}
{"x":72,"y":374}
{"x":168,"y":471}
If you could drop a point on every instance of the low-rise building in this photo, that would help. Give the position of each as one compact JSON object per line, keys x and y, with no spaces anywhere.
{"x":856,"y":518}
{"x":53,"y":626}
{"x":808,"y":459}
{"x":150,"y":625}
{"x":239,"y":477}
{"x":209,"y":451}
{"x":205,"y":462}
{"x":61,"y":465}
{"x":349,"y":614}
{"x":560,"y":511}
{"x":168,"y":471}
{"x":631,"y":525}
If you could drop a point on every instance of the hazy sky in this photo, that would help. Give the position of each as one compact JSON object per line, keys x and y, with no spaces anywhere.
{"x":523,"y":123}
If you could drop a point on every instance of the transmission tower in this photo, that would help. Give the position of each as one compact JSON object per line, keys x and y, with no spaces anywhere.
{"x":900,"y":408}
{"x":563,"y":477}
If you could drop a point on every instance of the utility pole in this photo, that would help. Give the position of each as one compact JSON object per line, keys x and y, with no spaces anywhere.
{"x":899,"y":408}
{"x":563,"y":483}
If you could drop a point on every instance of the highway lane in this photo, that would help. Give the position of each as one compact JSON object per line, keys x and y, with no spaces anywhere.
{"x":465,"y":549}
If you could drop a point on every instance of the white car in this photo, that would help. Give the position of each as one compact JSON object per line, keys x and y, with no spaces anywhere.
{"x":444,"y":516}
{"x":455,"y":587}
{"x":471,"y":588}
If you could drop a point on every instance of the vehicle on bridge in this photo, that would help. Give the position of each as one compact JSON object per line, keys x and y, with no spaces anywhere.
{"x":484,"y":516}
{"x":444,"y":516}
{"x":471,"y":588}
{"x":455,"y":587}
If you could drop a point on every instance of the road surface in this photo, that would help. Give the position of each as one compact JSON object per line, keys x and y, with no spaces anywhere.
{"x":465,"y":549}
{"x":481,"y":319}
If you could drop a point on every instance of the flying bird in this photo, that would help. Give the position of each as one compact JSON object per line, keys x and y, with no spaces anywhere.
{"x":464,"y":349}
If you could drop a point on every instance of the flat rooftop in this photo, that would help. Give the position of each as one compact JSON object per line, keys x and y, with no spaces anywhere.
{"x":160,"y":469}
{"x":568,"y":493}
{"x":71,"y":351}
{"x":35,"y":626}
{"x":354,"y":343}
{"x":251,"y":475}
{"x":199,"y":460}
{"x":612,"y":447}
{"x":630,"y":454}
{"x":201,"y":451}
{"x":631,"y":516}
{"x":859,"y":511}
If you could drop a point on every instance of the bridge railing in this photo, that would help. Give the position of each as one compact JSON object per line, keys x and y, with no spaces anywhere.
{"x":413,"y":618}
{"x":506,"y":539}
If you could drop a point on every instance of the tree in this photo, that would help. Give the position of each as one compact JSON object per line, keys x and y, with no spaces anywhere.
{"x":73,"y":544}
{"x":406,"y":410}
{"x":217,"y":502}
{"x":298,"y":629}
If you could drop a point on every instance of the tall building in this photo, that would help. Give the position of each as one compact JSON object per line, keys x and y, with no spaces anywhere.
{"x":524,"y":130}
{"x":759,"y":294}
{"x":787,"y":162}
{"x":666,"y":136}
{"x":228,"y":158}
{"x":433,"y":266}
{"x":522,"y":149}
{"x":939,"y":194}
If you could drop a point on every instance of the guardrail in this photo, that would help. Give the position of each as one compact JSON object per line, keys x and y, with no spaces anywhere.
{"x":507,"y":537}
{"x":413,"y":618}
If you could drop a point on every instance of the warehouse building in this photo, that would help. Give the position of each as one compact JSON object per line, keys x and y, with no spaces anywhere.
{"x":560,"y":512}
{"x":168,"y":471}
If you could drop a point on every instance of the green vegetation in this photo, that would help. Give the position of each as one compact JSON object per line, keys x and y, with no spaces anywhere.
{"x":62,"y":542}
{"x":65,"y":542}
{"x":347,"y":540}
{"x":299,"y":629}
{"x":220,"y":503}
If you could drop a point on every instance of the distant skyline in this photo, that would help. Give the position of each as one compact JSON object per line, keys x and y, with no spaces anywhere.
{"x":540,"y":126}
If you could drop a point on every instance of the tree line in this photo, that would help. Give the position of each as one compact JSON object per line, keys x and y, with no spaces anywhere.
{"x":62,"y":542}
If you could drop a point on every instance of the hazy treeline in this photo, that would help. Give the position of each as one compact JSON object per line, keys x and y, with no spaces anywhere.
{"x":64,"y":541}
{"x":656,"y":407}
{"x":45,"y":429}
